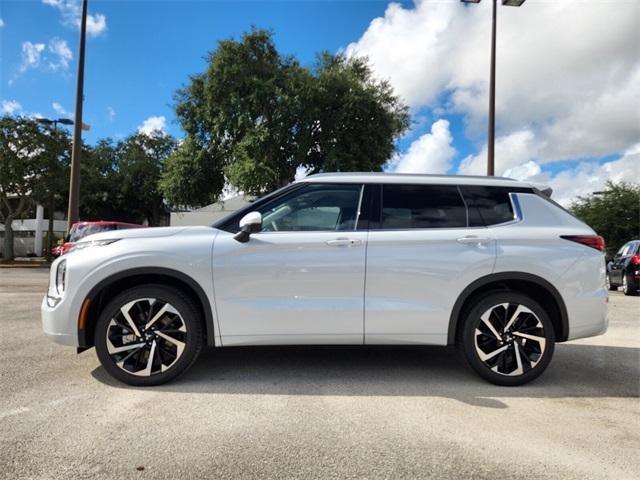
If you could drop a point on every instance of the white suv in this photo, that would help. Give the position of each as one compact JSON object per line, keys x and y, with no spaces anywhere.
{"x":491,"y":265}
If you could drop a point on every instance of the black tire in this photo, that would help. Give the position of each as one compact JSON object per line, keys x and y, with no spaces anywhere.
{"x":612,"y":287}
{"x":627,"y":285}
{"x":178,"y":320}
{"x":507,"y":367}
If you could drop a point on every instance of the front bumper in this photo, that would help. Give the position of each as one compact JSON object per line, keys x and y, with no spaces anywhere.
{"x":56,"y":322}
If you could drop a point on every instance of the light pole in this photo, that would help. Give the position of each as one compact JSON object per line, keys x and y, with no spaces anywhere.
{"x":76,"y":151}
{"x":491,"y":140}
{"x":51,"y":206}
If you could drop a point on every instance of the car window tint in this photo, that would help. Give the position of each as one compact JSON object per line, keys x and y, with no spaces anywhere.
{"x":422,"y":206}
{"x":488,"y":205}
{"x":315,"y":207}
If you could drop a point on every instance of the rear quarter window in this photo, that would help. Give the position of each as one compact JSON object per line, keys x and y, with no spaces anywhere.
{"x":490,"y":205}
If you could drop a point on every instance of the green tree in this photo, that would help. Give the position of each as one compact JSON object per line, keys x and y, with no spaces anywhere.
{"x":22,"y":155}
{"x":120,"y":180}
{"x":53,"y":187}
{"x":100,"y":197}
{"x":614,"y":214}
{"x":141,"y":161}
{"x":255,"y":115}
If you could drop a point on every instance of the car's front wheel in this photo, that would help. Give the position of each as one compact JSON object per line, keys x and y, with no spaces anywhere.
{"x":507,"y":338}
{"x":148,"y":335}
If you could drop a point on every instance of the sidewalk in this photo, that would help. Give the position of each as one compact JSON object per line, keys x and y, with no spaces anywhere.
{"x":25,"y":262}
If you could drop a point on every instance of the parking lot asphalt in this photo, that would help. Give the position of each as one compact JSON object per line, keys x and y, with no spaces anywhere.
{"x":320,"y":412}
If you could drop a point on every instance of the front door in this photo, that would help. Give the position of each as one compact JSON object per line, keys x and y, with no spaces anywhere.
{"x":301,"y":279}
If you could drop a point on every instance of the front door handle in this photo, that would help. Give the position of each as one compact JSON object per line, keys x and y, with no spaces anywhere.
{"x":472,"y":240}
{"x":344,"y":242}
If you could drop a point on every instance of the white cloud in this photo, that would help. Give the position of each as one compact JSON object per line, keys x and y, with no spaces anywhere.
{"x":111,"y":113}
{"x":153,"y":125}
{"x":510,"y":151}
{"x":96,"y":24}
{"x":71,"y":12}
{"x":585,"y":177}
{"x":589,"y":177}
{"x":301,"y":172}
{"x":561,"y":73}
{"x":60,"y":49}
{"x":431,"y":153}
{"x":59,"y":109}
{"x":31,"y":53}
{"x":1,"y":23}
{"x":9,"y":107}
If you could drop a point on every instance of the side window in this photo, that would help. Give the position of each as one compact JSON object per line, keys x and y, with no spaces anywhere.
{"x":489,"y":205}
{"x":315,"y":207}
{"x":626,"y":249}
{"x":422,"y":206}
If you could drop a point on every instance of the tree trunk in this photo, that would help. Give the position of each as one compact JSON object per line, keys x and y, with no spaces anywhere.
{"x":8,"y":238}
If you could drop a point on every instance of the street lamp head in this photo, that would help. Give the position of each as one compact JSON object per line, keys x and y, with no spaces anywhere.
{"x":470,"y":1}
{"x":65,"y":121}
{"x":513,"y":3}
{"x":44,"y":121}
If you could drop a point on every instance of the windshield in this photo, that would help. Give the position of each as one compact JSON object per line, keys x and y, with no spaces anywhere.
{"x":78,"y":232}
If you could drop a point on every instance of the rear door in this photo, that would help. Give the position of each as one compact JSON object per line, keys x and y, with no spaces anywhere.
{"x":421,"y":254}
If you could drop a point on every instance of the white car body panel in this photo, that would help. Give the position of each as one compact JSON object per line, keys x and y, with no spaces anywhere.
{"x":290,"y":288}
{"x":578,"y":273}
{"x":88,"y":267}
{"x":415,"y":276}
{"x":389,"y":287}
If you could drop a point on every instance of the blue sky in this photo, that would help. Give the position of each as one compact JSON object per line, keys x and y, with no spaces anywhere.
{"x":150,"y":47}
{"x":567,"y":85}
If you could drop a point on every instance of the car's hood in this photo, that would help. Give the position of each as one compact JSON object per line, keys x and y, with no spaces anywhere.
{"x":135,"y":233}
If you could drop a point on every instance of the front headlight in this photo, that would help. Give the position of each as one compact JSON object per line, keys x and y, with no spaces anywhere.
{"x":93,"y":243}
{"x":61,"y":274}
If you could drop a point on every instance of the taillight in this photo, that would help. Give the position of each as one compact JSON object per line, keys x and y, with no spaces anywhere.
{"x":593,"y":241}
{"x":635,"y":259}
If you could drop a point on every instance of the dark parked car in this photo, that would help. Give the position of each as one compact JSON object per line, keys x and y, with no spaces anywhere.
{"x":624,"y":269}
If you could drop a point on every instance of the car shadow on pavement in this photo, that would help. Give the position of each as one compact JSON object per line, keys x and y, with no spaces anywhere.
{"x":577,"y":370}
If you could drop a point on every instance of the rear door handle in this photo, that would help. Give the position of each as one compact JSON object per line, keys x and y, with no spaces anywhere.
{"x":344,"y":242}
{"x":471,"y":240}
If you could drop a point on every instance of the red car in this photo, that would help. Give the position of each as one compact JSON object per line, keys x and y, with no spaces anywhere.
{"x":83,"y":229}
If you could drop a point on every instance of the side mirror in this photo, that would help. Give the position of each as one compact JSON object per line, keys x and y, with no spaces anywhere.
{"x":250,"y":223}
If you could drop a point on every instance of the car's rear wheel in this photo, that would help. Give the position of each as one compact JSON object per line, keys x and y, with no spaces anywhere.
{"x":627,"y":285}
{"x":610,"y":285}
{"x":507,"y":338}
{"x":148,"y":335}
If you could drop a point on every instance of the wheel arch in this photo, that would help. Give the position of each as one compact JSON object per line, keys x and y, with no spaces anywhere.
{"x":536,"y":287}
{"x":112,"y":285}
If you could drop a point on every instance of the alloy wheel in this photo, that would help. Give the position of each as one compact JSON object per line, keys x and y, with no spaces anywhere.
{"x":625,"y":283}
{"x":510,"y":339}
{"x":146,"y":337}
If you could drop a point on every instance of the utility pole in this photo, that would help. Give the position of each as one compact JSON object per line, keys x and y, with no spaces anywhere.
{"x":491,"y":137}
{"x":76,"y":152}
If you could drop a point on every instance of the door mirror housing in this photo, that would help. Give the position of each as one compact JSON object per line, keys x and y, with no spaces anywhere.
{"x":250,"y":223}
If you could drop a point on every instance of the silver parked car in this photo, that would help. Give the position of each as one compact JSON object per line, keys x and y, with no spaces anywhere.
{"x":490,"y":264}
